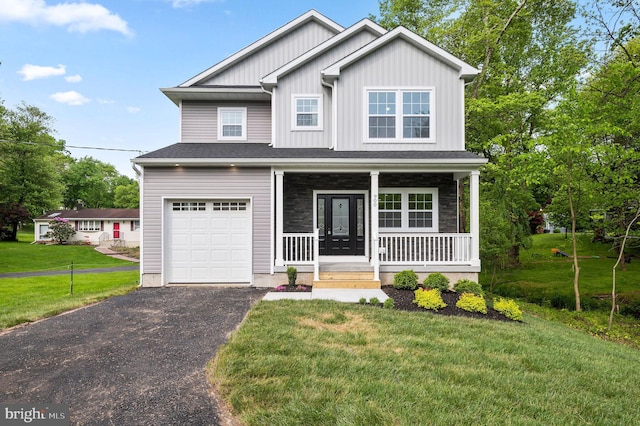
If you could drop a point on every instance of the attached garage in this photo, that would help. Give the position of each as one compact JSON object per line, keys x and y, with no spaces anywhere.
{"x":208,"y":241}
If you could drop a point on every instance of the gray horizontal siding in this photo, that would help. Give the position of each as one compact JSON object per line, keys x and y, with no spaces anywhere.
{"x":252,"y":68}
{"x":182,"y":183}
{"x":400,"y":64}
{"x":200,"y":121}
{"x":306,"y":80}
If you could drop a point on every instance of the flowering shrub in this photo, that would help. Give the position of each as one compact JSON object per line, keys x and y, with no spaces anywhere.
{"x":472,"y":303}
{"x":301,"y":288}
{"x":60,"y":230}
{"x":436,"y":280}
{"x":281,"y":288}
{"x":429,"y":299}
{"x":508,"y":308}
{"x":405,"y":280}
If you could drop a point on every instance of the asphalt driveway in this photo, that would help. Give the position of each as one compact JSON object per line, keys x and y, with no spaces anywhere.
{"x":137,"y":359}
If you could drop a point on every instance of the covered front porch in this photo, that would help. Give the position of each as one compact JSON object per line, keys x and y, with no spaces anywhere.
{"x":347,"y":229}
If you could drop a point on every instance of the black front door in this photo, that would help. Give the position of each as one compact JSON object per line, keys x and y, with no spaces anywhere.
{"x":340,"y":218}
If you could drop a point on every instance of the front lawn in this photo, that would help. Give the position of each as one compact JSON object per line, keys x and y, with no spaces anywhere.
{"x":320,"y":362}
{"x":32,"y":298}
{"x":22,"y":256}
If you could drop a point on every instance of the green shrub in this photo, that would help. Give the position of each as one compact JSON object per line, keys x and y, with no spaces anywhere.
{"x":468,"y":286}
{"x":508,"y":308}
{"x":389,"y":303}
{"x":362,"y":301}
{"x":292,"y":275}
{"x":472,"y":303}
{"x":429,"y":299}
{"x":436,"y":280}
{"x":374,"y":301}
{"x":405,"y":280}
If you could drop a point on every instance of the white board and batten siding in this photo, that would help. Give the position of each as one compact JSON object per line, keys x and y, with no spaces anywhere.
{"x":306,"y":81}
{"x":199,"y":121}
{"x":400,"y":64}
{"x":251,"y":69}
{"x":166,"y":185}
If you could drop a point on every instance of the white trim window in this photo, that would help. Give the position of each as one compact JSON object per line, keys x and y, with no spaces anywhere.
{"x":408,"y":209}
{"x":307,"y":112}
{"x":232,"y":123}
{"x":399,"y":115}
{"x":89,"y":225}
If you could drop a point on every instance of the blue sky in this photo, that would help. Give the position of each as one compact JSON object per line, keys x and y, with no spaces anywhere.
{"x":96,"y":66}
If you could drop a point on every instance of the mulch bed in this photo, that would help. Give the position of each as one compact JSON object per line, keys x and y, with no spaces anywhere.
{"x":403,"y":300}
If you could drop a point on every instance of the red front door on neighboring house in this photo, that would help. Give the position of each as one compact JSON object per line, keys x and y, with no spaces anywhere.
{"x":116,"y":231}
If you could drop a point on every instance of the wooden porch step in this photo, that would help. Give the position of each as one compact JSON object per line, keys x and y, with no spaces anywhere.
{"x":345,"y":279}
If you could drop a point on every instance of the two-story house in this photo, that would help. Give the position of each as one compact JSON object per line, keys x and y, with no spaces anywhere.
{"x":320,"y":147}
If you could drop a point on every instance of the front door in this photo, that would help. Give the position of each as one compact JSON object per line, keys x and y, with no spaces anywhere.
{"x":340,"y":219}
{"x":116,"y":231}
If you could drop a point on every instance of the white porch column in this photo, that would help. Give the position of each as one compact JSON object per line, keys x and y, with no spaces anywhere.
{"x":474,"y":216}
{"x":279,"y":217}
{"x":375,"y":256}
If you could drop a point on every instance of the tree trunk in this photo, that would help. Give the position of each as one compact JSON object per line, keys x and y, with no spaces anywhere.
{"x":574,"y":238}
{"x":620,"y":258}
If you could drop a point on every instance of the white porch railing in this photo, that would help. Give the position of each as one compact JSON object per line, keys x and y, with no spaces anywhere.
{"x":298,"y":248}
{"x":400,"y":248}
{"x":425,"y":249}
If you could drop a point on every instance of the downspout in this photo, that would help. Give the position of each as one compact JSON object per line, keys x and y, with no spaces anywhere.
{"x":273,"y":112}
{"x":334,"y":111}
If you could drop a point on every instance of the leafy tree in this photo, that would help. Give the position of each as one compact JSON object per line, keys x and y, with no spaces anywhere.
{"x":10,"y":217}
{"x":30,"y":161}
{"x":529,"y":56}
{"x":127,"y":196}
{"x":91,"y":181}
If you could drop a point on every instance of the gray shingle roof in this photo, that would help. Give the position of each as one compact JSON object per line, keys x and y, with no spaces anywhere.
{"x":95,"y":214}
{"x":239,"y":151}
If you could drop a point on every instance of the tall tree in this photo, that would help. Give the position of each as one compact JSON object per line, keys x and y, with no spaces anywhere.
{"x":529,"y":56}
{"x":91,"y":181}
{"x":30,"y":161}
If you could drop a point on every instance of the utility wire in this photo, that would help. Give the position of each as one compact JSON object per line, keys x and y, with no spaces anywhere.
{"x":76,"y":147}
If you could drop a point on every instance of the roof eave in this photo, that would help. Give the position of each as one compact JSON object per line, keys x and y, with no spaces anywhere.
{"x":178,"y":94}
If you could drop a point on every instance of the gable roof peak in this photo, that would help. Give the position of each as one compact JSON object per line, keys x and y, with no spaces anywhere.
{"x":466,"y":71}
{"x":271,"y":79}
{"x":311,"y":15}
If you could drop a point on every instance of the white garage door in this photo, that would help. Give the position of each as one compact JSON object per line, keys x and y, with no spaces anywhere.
{"x":208,"y":241}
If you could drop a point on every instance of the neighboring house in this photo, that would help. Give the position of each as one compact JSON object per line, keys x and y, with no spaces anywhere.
{"x":321,"y":147}
{"x":95,"y":226}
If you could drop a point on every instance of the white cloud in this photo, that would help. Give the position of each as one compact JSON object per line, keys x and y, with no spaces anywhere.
{"x":74,"y":78}
{"x":76,"y":17}
{"x":188,"y":3}
{"x":70,"y":98}
{"x":33,"y":72}
{"x":133,"y":110}
{"x":105,"y":101}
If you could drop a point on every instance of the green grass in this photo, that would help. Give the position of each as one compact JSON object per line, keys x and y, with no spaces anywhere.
{"x":22,"y":256}
{"x":32,"y":298}
{"x":327,"y":363}
{"x":546,"y":279}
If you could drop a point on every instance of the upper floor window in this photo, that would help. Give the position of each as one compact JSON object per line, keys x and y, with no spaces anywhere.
{"x":307,"y":112}
{"x":399,"y":115}
{"x":232,"y":123}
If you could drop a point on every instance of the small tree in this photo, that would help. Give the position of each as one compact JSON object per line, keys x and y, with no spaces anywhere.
{"x":60,"y":230}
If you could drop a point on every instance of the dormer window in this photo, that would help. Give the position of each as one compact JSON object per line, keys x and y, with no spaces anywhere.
{"x":307,"y":112}
{"x":399,"y":115}
{"x":232,"y":123}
